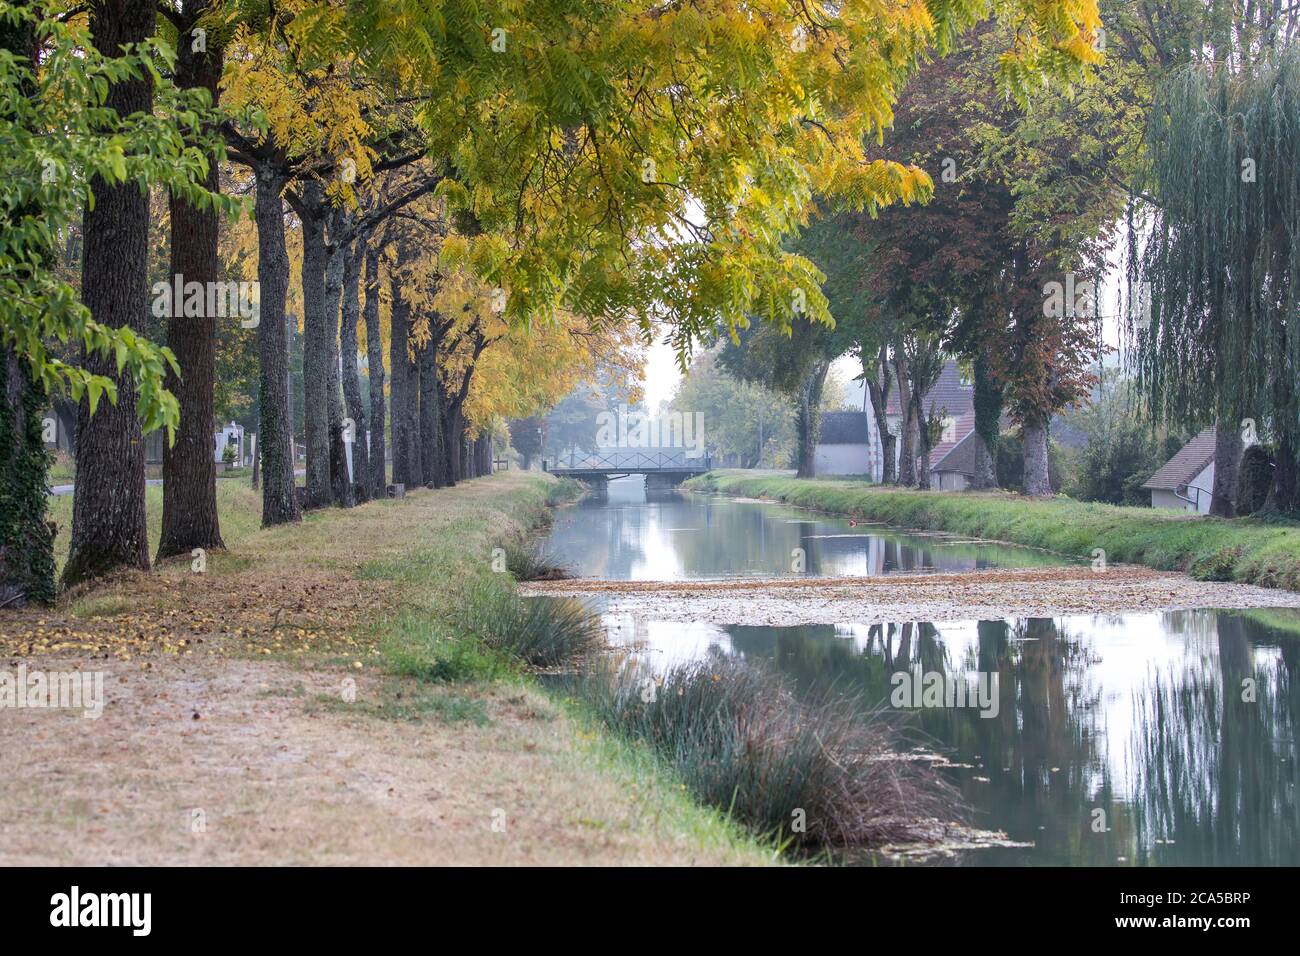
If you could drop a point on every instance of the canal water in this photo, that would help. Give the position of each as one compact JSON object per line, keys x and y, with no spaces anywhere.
{"x":1133,"y":739}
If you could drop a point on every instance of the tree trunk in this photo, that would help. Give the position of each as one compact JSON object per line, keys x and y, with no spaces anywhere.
{"x":275,"y":441}
{"x":907,"y":430}
{"x":108,"y":509}
{"x":397,"y":344}
{"x":1033,"y":437}
{"x":922,"y":440}
{"x":378,"y":477}
{"x":411,"y":414}
{"x":430,"y":417}
{"x":353,"y":256}
{"x":26,"y":539}
{"x":877,"y":380}
{"x":808,"y":422}
{"x":453,"y":443}
{"x":317,"y":332}
{"x":988,"y":412}
{"x":341,"y":492}
{"x":189,"y":515}
{"x":1227,"y":464}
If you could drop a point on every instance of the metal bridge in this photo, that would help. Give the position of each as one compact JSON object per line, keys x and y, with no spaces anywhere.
{"x":671,"y":463}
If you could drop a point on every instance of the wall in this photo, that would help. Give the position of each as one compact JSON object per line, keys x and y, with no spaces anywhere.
{"x":1204,"y":481}
{"x":843,"y":460}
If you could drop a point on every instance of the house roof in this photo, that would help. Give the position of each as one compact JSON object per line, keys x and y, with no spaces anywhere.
{"x":959,"y":456}
{"x":948,"y":393}
{"x":965,"y":424}
{"x":1190,"y":461}
{"x":844,"y":428}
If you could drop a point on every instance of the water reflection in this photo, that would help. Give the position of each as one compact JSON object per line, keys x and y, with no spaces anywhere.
{"x":628,"y":534}
{"x":1139,"y":739}
{"x":1180,"y":727}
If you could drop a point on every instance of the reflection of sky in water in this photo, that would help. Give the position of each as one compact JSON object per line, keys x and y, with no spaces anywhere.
{"x":676,"y":536}
{"x":1105,"y":711}
{"x":1140,"y":715}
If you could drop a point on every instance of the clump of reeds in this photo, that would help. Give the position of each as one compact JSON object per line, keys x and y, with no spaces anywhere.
{"x":816,"y":774}
{"x":529,"y":563}
{"x":539,"y":631}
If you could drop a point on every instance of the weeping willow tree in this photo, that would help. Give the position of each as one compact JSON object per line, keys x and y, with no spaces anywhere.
{"x":1222,"y":342}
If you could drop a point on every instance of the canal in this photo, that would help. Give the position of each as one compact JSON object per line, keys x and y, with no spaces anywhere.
{"x":1119,"y":739}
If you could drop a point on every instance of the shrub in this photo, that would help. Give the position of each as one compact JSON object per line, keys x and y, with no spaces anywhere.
{"x":744,"y":743}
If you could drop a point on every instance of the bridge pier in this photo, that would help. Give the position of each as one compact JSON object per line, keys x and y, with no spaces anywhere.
{"x":597,"y":485}
{"x":663,"y":482}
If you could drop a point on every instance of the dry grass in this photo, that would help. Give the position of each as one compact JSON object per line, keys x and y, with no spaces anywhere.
{"x":280,"y":770}
{"x":225,"y":695}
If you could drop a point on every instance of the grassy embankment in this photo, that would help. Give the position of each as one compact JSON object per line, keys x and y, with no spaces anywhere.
{"x":404,"y":594}
{"x":1247,"y":550}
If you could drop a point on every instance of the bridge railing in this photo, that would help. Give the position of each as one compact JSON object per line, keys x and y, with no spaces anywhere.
{"x":630,"y":460}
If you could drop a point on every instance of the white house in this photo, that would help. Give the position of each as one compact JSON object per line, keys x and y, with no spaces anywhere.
{"x":1186,"y":481}
{"x":846,"y":445}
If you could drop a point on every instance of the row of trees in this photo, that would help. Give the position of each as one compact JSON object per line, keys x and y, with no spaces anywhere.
{"x":493,"y":174}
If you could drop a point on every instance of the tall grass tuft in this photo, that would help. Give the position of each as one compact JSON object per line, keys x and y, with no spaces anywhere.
{"x":813,"y":774}
{"x":540,"y":631}
{"x":528,"y":563}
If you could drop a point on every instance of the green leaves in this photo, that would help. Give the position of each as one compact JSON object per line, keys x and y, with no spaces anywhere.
{"x":59,"y":139}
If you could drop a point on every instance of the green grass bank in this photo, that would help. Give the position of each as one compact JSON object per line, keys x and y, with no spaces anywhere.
{"x":1247,"y":550}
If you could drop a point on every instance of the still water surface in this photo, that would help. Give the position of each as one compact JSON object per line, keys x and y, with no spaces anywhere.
{"x":1180,"y":727}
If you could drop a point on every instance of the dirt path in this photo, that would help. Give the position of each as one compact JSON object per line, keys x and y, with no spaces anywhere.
{"x":1031,"y":592}
{"x":203,"y":761}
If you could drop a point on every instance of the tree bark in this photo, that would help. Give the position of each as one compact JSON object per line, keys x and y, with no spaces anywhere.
{"x":988,"y":412}
{"x":397,"y":344}
{"x":353,"y":257}
{"x":907,"y":430}
{"x":189,"y":515}
{"x":808,"y":421}
{"x":877,"y":380}
{"x":1037,"y":481}
{"x":341,"y":491}
{"x":453,"y":443}
{"x":378,"y":477}
{"x":922,"y":441}
{"x":275,"y":442}
{"x":1228,"y":447}
{"x":108,"y":509}
{"x":411,"y":414}
{"x":316,"y":348}
{"x":26,"y":539}
{"x":430,"y":417}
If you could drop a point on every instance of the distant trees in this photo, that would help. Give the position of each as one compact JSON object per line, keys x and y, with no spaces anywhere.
{"x":743,"y":421}
{"x":1125,"y":446}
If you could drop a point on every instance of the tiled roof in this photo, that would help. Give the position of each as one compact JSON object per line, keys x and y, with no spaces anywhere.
{"x":948,"y":393}
{"x":1190,"y":461}
{"x":844,"y":428}
{"x":959,"y":455}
